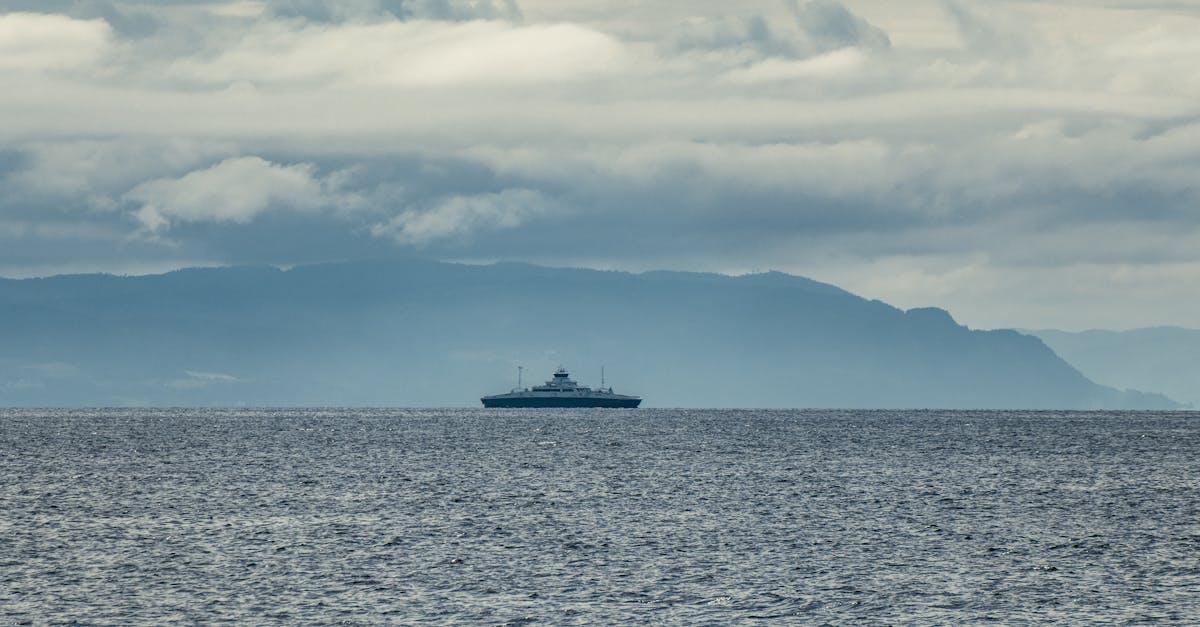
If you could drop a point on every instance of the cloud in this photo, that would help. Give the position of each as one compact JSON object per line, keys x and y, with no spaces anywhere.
{"x":53,"y":370}
{"x":838,"y":64}
{"x":196,"y":379}
{"x":35,"y":42}
{"x":235,"y":190}
{"x":94,"y":168}
{"x":944,"y":142}
{"x":829,"y":25}
{"x":818,"y":27}
{"x":752,"y":34}
{"x":407,"y":54}
{"x":459,"y":216}
{"x":343,"y":10}
{"x":212,"y":376}
{"x":990,"y":31}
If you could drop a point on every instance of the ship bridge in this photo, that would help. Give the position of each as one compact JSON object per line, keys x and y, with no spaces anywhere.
{"x":561,"y":382}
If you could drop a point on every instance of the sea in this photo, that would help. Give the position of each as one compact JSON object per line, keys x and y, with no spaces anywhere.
{"x":598,"y":517}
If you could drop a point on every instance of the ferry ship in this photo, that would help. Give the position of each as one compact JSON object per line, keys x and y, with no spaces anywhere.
{"x":561,"y":391}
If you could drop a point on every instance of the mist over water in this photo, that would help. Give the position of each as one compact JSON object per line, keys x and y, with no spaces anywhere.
{"x":593,"y":516}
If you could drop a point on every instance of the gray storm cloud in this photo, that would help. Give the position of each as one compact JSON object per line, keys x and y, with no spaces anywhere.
{"x":1023,"y":165}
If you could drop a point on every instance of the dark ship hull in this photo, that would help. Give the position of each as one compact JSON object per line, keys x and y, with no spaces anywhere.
{"x":546,"y":401}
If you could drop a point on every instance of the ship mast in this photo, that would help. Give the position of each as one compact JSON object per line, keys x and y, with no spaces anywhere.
{"x":519,"y":369}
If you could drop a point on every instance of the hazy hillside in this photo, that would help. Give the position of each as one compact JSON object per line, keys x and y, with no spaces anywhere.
{"x":1160,"y":359}
{"x":424,"y":333}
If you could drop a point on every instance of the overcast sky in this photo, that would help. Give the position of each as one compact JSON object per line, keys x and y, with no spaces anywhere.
{"x":1020,"y":164}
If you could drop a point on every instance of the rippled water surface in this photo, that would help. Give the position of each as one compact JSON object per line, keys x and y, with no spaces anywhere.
{"x":593,"y":516}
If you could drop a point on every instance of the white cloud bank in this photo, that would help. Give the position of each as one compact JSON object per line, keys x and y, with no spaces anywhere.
{"x":235,"y":190}
{"x":464,"y":215}
{"x":407,"y":54}
{"x":35,"y":42}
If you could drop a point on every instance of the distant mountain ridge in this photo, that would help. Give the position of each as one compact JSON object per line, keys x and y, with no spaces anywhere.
{"x":415,"y":332}
{"x":1160,"y":359}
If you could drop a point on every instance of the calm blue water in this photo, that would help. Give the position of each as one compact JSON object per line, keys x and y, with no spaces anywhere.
{"x":592,"y":516}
